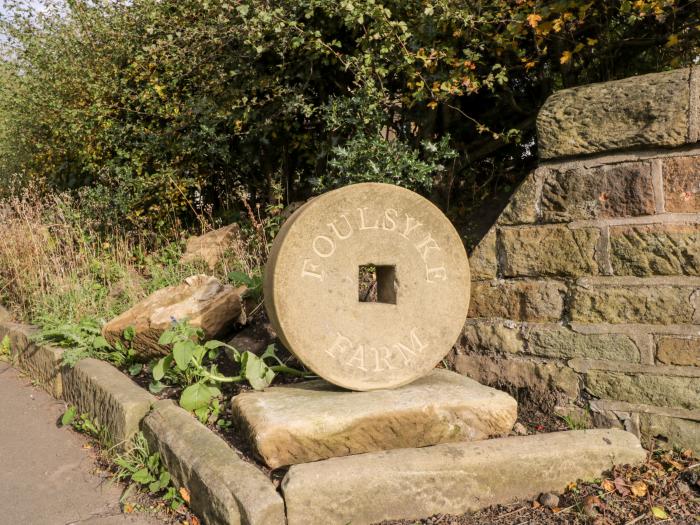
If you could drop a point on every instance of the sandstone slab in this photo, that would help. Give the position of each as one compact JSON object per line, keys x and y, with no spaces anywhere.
{"x":42,"y":363}
{"x":527,"y":300}
{"x":579,"y":193}
{"x":449,"y":478}
{"x":314,"y":420}
{"x":483,"y":261}
{"x":683,"y":351}
{"x":519,"y":373}
{"x":491,"y":336}
{"x":224,"y":489}
{"x":563,"y":343}
{"x":211,"y":246}
{"x":653,"y":304}
{"x":539,"y":251}
{"x":668,"y":391}
{"x":647,"y":110}
{"x":523,"y":205}
{"x":655,"y":249}
{"x":312,"y":282}
{"x":204,"y":301}
{"x":681,"y":180}
{"x":107,"y":395}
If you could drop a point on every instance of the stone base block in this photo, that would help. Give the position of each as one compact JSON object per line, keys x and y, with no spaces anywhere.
{"x":312,"y":421}
{"x":449,"y":478}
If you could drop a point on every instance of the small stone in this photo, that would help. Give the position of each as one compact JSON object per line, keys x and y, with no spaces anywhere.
{"x":211,"y":246}
{"x":312,"y":284}
{"x":549,"y":500}
{"x":204,"y":301}
{"x":520,"y":429}
{"x":314,"y":420}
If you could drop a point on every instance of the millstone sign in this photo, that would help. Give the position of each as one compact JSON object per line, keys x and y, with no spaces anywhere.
{"x":312,"y":283}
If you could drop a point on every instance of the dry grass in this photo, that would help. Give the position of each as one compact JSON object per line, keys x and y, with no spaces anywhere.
{"x":55,"y":263}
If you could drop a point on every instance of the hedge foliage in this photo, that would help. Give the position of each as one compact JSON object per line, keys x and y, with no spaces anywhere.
{"x":154,"y":109}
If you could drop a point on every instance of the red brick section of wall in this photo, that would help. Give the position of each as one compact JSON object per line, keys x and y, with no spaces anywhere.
{"x":587,"y":289}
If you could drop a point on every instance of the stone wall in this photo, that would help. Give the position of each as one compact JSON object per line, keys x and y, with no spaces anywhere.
{"x":586,"y":292}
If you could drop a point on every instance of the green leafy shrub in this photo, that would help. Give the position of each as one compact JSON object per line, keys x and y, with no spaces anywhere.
{"x":160,"y":110}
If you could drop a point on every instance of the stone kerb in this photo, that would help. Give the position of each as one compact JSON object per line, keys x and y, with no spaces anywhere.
{"x":596,"y":258}
{"x":311,"y":286}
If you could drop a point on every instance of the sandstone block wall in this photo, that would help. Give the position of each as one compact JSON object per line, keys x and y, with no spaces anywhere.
{"x":586,"y":291}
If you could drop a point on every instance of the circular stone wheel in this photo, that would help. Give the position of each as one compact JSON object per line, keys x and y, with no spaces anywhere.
{"x":312,"y":284}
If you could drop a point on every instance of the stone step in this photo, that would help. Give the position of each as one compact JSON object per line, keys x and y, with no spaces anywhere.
{"x":315,"y":420}
{"x":450,"y":478}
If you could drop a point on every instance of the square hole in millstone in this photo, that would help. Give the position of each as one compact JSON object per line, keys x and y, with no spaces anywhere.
{"x":377,"y":284}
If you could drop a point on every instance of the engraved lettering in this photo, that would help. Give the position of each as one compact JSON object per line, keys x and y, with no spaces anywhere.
{"x":359,"y":358}
{"x":387,"y":219}
{"x":416,"y":348}
{"x":410,"y":227}
{"x":433,"y":275}
{"x":341,"y":345}
{"x":308,"y":269}
{"x":329,"y":243}
{"x":364,"y":226}
{"x":426,"y":245}
{"x":382,"y":356}
{"x":335,"y":230}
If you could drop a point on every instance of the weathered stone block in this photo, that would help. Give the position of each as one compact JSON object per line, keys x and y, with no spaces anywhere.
{"x":491,"y":337}
{"x":449,"y":479}
{"x":671,"y":431}
{"x":537,"y":301}
{"x":106,"y":394}
{"x":578,"y":193}
{"x":548,"y":251}
{"x":683,"y":351}
{"x":647,"y":110}
{"x":658,"y":304}
{"x":211,"y":246}
{"x":522,"y":208}
{"x":314,"y":420}
{"x":483,"y":261}
{"x":655,"y":249}
{"x":681,"y":176}
{"x":203,"y":300}
{"x":41,"y":363}
{"x":519,"y":373}
{"x":224,"y":489}
{"x":683,"y":392}
{"x":563,"y":343}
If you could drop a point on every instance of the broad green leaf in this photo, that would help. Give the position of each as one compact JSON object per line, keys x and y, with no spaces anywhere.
{"x":142,"y":476}
{"x":135,"y":369}
{"x":183,"y":352}
{"x":167,"y":338}
{"x":160,"y":367}
{"x":255,"y":371}
{"x":210,"y":345}
{"x":69,"y":416}
{"x":195,"y":396}
{"x":659,"y":513}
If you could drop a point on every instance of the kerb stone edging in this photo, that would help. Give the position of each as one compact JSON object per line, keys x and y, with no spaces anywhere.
{"x":41,"y":363}
{"x":101,"y":390}
{"x":224,"y":488}
{"x":450,"y":478}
